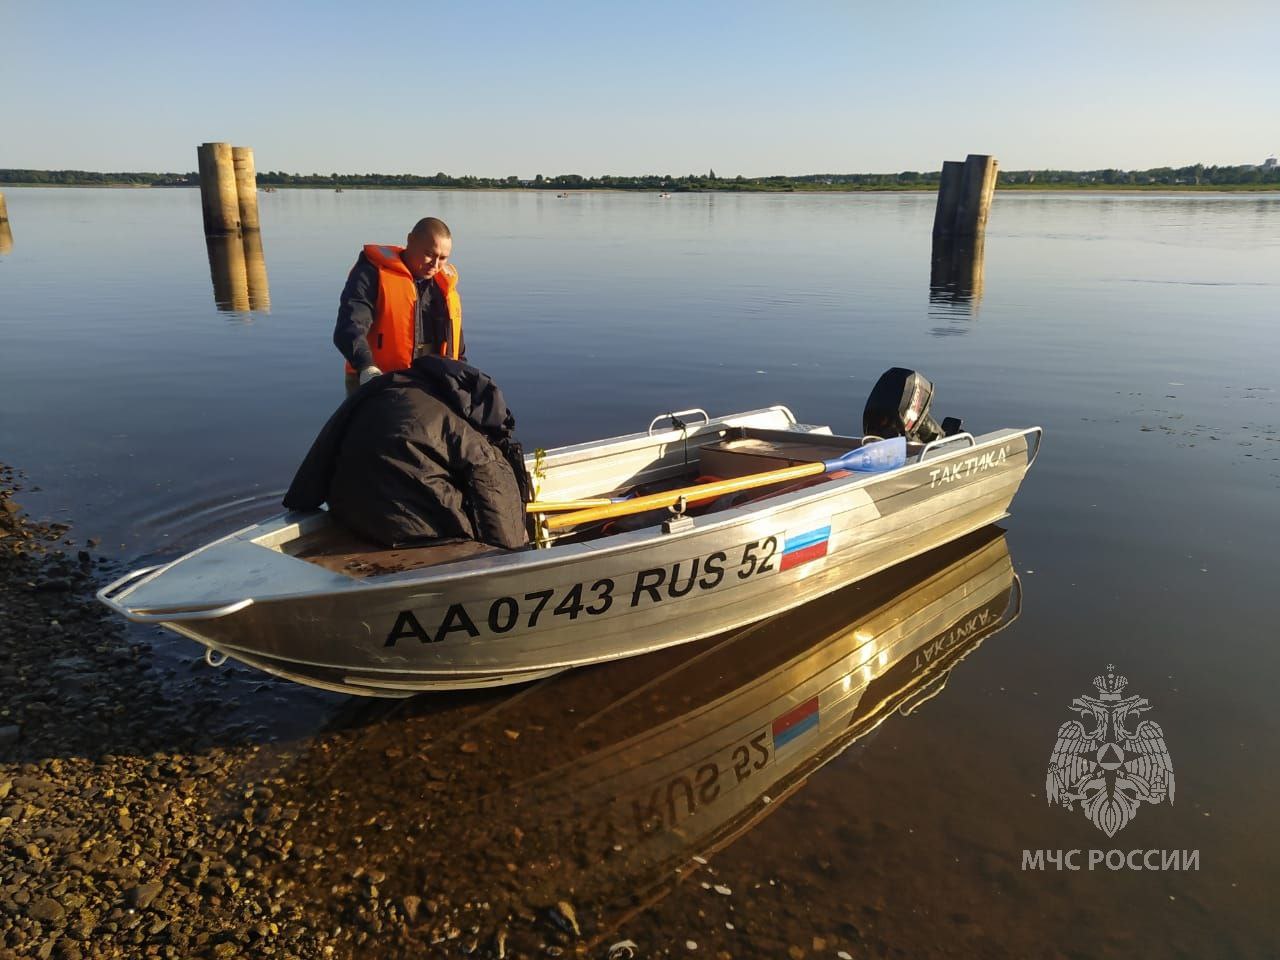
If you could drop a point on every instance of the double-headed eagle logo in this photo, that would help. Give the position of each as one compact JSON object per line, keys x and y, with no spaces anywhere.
{"x":1108,"y":768}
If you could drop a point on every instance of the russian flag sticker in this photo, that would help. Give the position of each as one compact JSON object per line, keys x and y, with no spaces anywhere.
{"x":795,"y":722}
{"x":803,"y":547}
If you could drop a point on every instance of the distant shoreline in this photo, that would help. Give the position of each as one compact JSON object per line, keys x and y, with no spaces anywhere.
{"x":1197,"y":177}
{"x":675,"y":191}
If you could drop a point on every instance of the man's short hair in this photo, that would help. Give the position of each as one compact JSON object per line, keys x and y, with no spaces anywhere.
{"x":432,"y":227}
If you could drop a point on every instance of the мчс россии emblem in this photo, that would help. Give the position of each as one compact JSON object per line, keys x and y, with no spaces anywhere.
{"x":1110,"y":769}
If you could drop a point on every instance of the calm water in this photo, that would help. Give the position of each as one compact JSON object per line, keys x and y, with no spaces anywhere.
{"x":1139,"y":331}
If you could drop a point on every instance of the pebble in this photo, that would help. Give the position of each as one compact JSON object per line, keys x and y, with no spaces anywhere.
{"x":410,"y":905}
{"x":46,"y":909}
{"x":570,"y":917}
{"x":142,"y":895}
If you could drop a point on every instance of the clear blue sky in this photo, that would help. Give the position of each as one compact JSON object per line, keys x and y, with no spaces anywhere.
{"x":495,"y":89}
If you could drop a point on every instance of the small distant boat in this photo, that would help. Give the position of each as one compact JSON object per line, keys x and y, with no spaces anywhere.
{"x":562,"y":196}
{"x":337,"y":189}
{"x":664,"y":196}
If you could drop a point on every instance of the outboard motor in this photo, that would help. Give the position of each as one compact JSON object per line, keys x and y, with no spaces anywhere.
{"x":899,"y":407}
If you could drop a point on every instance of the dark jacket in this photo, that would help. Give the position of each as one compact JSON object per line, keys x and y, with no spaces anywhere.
{"x":356,"y":310}
{"x":423,"y":454}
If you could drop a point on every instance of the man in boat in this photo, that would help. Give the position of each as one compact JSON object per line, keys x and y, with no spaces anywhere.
{"x":400,"y":303}
{"x":418,"y":456}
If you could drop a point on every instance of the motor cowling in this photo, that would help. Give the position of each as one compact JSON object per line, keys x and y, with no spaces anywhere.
{"x":899,"y":406}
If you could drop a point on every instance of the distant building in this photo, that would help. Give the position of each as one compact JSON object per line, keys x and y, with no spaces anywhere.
{"x":1270,"y":163}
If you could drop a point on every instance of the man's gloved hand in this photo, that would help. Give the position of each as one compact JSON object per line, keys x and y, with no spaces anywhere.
{"x":368,"y":373}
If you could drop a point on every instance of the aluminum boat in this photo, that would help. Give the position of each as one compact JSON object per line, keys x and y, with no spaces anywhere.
{"x":298,"y":597}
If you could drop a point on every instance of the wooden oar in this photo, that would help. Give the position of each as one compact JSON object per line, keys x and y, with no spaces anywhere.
{"x":874,"y":457}
{"x":555,"y":506}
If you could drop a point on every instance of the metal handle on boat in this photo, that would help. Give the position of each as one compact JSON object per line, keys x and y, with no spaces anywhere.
{"x":105,"y":593}
{"x":1039,"y":432}
{"x":932,"y":444}
{"x":706,"y":417}
{"x":179,"y":614}
{"x":175,"y":614}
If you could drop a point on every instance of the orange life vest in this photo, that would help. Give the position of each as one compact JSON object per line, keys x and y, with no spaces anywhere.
{"x":391,"y":334}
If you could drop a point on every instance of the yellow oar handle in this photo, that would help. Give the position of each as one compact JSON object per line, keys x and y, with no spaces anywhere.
{"x":555,"y":506}
{"x":700,"y":491}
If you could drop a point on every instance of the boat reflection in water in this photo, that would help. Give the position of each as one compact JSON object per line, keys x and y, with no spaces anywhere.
{"x":606,"y":787}
{"x":238,"y":269}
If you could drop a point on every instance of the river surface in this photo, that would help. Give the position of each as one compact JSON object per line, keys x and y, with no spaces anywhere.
{"x":155,"y":406}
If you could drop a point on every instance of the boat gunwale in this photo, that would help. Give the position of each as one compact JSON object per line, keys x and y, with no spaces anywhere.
{"x":569,"y":454}
{"x":533,"y":559}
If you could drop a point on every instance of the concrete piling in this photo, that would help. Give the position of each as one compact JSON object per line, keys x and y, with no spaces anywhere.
{"x":964,"y":196}
{"x":246,"y":186}
{"x":944,"y":217}
{"x":965,"y":192}
{"x":229,"y":202}
{"x":218,"y":196}
{"x":6,"y":235}
{"x":976,"y":193}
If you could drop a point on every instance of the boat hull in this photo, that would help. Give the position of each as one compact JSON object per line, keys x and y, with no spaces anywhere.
{"x":524,"y":616}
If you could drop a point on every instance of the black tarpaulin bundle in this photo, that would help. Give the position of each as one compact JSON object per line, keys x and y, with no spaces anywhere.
{"x":420,"y":455}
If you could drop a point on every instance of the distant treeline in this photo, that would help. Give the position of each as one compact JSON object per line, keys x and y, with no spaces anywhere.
{"x":1197,"y":175}
{"x":89,"y":178}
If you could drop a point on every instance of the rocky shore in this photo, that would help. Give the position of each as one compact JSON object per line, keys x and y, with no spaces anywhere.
{"x":153,"y":807}
{"x":123,"y":831}
{"x":146,"y":808}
